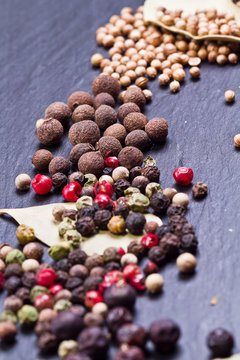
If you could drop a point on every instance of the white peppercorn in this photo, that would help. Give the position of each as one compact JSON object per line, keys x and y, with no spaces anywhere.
{"x":180,"y":199}
{"x":120,"y":173}
{"x":30,"y":265}
{"x":23,"y":182}
{"x":100,"y":309}
{"x":129,"y":258}
{"x":154,"y":283}
{"x":169,"y":192}
{"x":106,"y":178}
{"x":186,"y":262}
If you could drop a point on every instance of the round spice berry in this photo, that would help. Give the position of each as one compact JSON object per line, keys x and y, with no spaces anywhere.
{"x":79,"y":98}
{"x":59,"y":180}
{"x":41,"y":184}
{"x":130,"y":353}
{"x":85,"y":131}
{"x":159,"y":203}
{"x":135,"y":223}
{"x":93,"y":341}
{"x":105,"y":116}
{"x":46,"y":277}
{"x":132,"y":334}
{"x":164,"y":333}
{"x":229,"y":96}
{"x":183,"y":176}
{"x":109,"y":145}
{"x":130,"y":157}
{"x":106,"y":83}
{"x":237,"y":140}
{"x":126,"y":109}
{"x":169,"y":192}
{"x":91,"y":163}
{"x":119,"y":173}
{"x":116,"y":130}
{"x":120,"y":294}
{"x":220,"y":342}
{"x":50,"y":132}
{"x":151,"y":172}
{"x":83,"y":112}
{"x":41,"y":159}
{"x":103,"y":99}
{"x":199,"y":190}
{"x":135,"y":95}
{"x":157,"y":129}
{"x":59,"y":165}
{"x":138,"y":139}
{"x":186,"y":262}
{"x":149,"y":240}
{"x":135,"y":121}
{"x":59,"y":111}
{"x":181,"y":199}
{"x":23,"y":182}
{"x":8,"y":331}
{"x":154,"y":283}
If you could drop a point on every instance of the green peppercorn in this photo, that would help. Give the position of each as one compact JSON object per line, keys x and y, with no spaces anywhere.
{"x":8,"y":315}
{"x":152,"y":188}
{"x":116,"y":225}
{"x":25,"y":234}
{"x":84,"y":201}
{"x":62,"y":305}
{"x":67,"y":347}
{"x":28,"y":314}
{"x":37,"y":290}
{"x":74,"y":237}
{"x":66,"y":224}
{"x":90,"y":180}
{"x":130,"y":191}
{"x":59,"y":251}
{"x":15,"y":256}
{"x":149,"y":161}
{"x":139,"y":203}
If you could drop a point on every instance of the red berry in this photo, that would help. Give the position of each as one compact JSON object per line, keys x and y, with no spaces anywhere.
{"x":131,"y":270}
{"x":41,"y":184}
{"x":150,"y":268}
{"x":183,"y":176}
{"x":72,"y":191}
{"x":111,"y":162}
{"x":46,"y":277}
{"x":55,"y":289}
{"x":1,"y":280}
{"x":149,"y":240}
{"x":105,"y":188}
{"x":103,"y":200}
{"x":92,"y":297}
{"x":136,"y":281}
{"x":43,"y":301}
{"x":113,"y":277}
{"x":121,"y":251}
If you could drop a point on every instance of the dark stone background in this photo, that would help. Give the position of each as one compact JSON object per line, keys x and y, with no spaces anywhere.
{"x":45,"y":49}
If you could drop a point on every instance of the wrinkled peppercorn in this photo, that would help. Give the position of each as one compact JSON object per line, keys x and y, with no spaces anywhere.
{"x":152,"y":173}
{"x":88,"y":191}
{"x":129,"y":353}
{"x":59,"y":180}
{"x":92,"y":283}
{"x":111,"y":254}
{"x":118,"y":316}
{"x":176,"y":209}
{"x":85,"y":226}
{"x":78,"y":295}
{"x":94,"y":342}
{"x":162,"y":230}
{"x":189,"y":243}
{"x":62,"y":277}
{"x":78,"y":270}
{"x":98,"y":271}
{"x":86,"y":211}
{"x":12,"y":284}
{"x":47,"y":342}
{"x":170,"y":244}
{"x":77,"y":257}
{"x":164,"y":333}
{"x":140,"y":182}
{"x":120,"y":186}
{"x":70,"y":213}
{"x":135,"y":223}
{"x":42,"y":327}
{"x":121,"y":210}
{"x":159,"y":203}
{"x":62,"y":264}
{"x":157,"y":255}
{"x":136,"y":248}
{"x":13,"y":270}
{"x":101,"y":218}
{"x":132,"y":334}
{"x":220,"y":342}
{"x":29,"y":279}
{"x":134,"y":172}
{"x":177,"y":220}
{"x":199,"y":190}
{"x":91,"y":319}
{"x":112,"y":265}
{"x":24,"y":294}
{"x":120,"y":294}
{"x":66,"y":325}
{"x":187,"y":229}
{"x":94,"y":260}
{"x":73,"y":282}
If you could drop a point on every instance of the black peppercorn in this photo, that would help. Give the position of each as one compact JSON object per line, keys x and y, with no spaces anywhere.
{"x":94,"y":342}
{"x":47,"y":342}
{"x":170,"y":244}
{"x":157,"y":255}
{"x":66,"y":325}
{"x":93,"y":319}
{"x":62,"y":277}
{"x":13,"y":270}
{"x":111,"y":254}
{"x":59,"y":180}
{"x":73,"y":282}
{"x":85,"y":226}
{"x":94,"y":260}
{"x":199,"y":190}
{"x":136,"y":248}
{"x":140,"y":182}
{"x":187,"y":229}
{"x":78,"y":295}
{"x":88,"y":191}
{"x":129,"y":353}
{"x":152,"y":173}
{"x":92,"y":283}
{"x":121,"y":210}
{"x":135,"y":223}
{"x":42,"y":327}
{"x":70,"y":213}
{"x":29,"y":279}
{"x":164,"y":333}
{"x":101,"y":218}
{"x":176,"y":209}
{"x":132,"y":334}
{"x":120,"y":186}
{"x":159,"y":203}
{"x":77,"y":257}
{"x":220,"y":342}
{"x":189,"y":243}
{"x":118,"y":316}
{"x":78,"y":310}
{"x":12,"y":284}
{"x":134,"y":172}
{"x":98,"y":271}
{"x":78,"y":270}
{"x":62,"y":264}
{"x":120,"y":294}
{"x":162,"y":230}
{"x":24,"y":294}
{"x":177,"y":220}
{"x":112,"y":265}
{"x":86,"y":211}
{"x":77,"y":175}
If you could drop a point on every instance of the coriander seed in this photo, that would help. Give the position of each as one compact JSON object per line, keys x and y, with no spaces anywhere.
{"x":96,"y":59}
{"x":174,"y":86}
{"x":237,"y":140}
{"x":229,"y":96}
{"x":194,"y":72}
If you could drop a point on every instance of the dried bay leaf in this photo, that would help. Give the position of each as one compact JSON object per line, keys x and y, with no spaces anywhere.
{"x":41,"y":220}
{"x":190,"y":7}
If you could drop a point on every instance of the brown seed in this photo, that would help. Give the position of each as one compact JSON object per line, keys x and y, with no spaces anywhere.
{"x":41,"y":159}
{"x":233,"y":58}
{"x":148,"y":94}
{"x":141,"y":82}
{"x":130,"y":157}
{"x":163,"y":79}
{"x":91,"y":163}
{"x":79,"y":98}
{"x":237,"y":140}
{"x":106,"y":83}
{"x":179,"y":75}
{"x":126,"y":109}
{"x":105,"y":116}
{"x":116,"y":130}
{"x":109,"y":145}
{"x":135,"y":95}
{"x":221,"y":59}
{"x":96,"y":59}
{"x":195,"y":72}
{"x":103,"y":99}
{"x":151,"y":72}
{"x":125,"y":80}
{"x":85,"y":131}
{"x":83,"y":112}
{"x":134,"y":121}
{"x":138,"y":139}
{"x":229,"y":96}
{"x":50,"y":132}
{"x":174,"y":86}
{"x":59,"y":111}
{"x":78,"y":150}
{"x":157,"y":129}
{"x":194,"y":61}
{"x":59,"y":165}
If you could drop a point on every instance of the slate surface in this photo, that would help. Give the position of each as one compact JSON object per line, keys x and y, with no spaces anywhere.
{"x":45,"y":50}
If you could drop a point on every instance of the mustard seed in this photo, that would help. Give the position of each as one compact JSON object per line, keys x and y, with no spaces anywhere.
{"x":163,"y":79}
{"x":186,"y":262}
{"x":237,"y":140}
{"x":23,"y":182}
{"x":229,"y":96}
{"x":79,"y":98}
{"x":179,"y":75}
{"x":174,"y":86}
{"x":194,"y":72}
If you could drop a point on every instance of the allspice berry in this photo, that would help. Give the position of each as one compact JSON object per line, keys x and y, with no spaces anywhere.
{"x":137,"y":138}
{"x":103,"y":99}
{"x":79,"y":98}
{"x":83,"y":112}
{"x":59,"y":111}
{"x":134,"y":121}
{"x":91,"y":163}
{"x":50,"y":132}
{"x":23,"y":182}
{"x":41,"y":159}
{"x":78,"y":150}
{"x":8,"y":331}
{"x":109,"y":145}
{"x":116,"y":130}
{"x":157,"y":129}
{"x":59,"y":164}
{"x":126,"y":109}
{"x":135,"y":95}
{"x":105,"y":116}
{"x":84,"y":132}
{"x":186,"y":262}
{"x":106,"y":83}
{"x":130,"y":157}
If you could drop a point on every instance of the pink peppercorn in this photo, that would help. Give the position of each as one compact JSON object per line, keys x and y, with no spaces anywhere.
{"x":130,"y":271}
{"x":183,"y":176}
{"x":41,"y":184}
{"x":43,"y":301}
{"x":46,"y":277}
{"x":55,"y":289}
{"x":1,"y":280}
{"x":92,"y":297}
{"x":149,"y":241}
